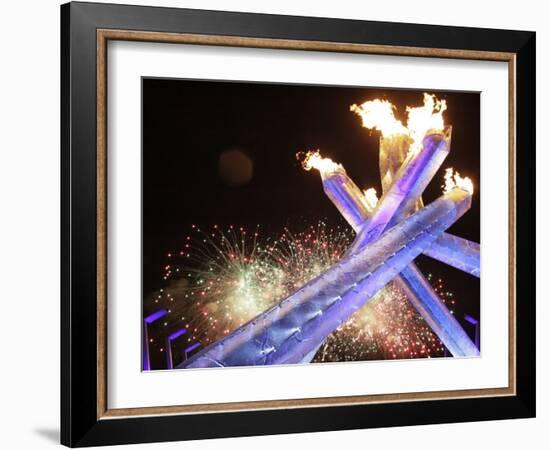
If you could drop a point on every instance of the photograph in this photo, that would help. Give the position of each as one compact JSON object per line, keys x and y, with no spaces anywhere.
{"x":286,"y":221}
{"x":295,"y":224}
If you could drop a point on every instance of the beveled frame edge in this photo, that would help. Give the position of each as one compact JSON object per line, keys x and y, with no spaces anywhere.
{"x":78,"y":363}
{"x":103,"y":36}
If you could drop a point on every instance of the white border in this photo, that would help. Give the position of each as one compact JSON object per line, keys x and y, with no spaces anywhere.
{"x":128,"y":387}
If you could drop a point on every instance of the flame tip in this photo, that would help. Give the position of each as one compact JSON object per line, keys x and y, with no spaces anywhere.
{"x":454,"y":180}
{"x":370,"y":199}
{"x":379,"y":115}
{"x":312,"y":159}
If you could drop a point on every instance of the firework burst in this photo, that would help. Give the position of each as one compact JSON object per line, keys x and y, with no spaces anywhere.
{"x":387,"y":327}
{"x":223,"y":277}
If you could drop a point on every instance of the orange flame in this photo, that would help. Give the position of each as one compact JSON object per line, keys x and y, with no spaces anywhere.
{"x":379,"y":115}
{"x":313,"y":160}
{"x":370,"y":199}
{"x":454,"y":180}
{"x":425,"y":118}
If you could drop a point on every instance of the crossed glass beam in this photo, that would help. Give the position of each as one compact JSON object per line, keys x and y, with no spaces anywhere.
{"x":388,"y":239}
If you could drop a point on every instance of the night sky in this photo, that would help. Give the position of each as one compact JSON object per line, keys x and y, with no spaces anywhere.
{"x":224,"y":153}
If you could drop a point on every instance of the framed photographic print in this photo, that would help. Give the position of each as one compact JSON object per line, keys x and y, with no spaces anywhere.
{"x":276,"y":224}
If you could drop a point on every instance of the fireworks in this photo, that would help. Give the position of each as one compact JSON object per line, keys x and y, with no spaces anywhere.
{"x":223,"y":277}
{"x":387,"y":327}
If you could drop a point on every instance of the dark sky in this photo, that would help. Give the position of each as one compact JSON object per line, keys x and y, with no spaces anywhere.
{"x":188,"y":124}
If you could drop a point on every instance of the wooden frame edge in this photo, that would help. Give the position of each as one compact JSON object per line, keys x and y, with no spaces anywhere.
{"x":101,"y":223}
{"x":512,"y":328}
{"x":290,"y":44}
{"x":104,"y":35}
{"x":212,"y":408}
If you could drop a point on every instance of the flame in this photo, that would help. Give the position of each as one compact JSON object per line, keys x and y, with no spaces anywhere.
{"x":454,"y":180}
{"x":424,"y":118}
{"x":379,"y":114}
{"x":313,"y":160}
{"x":370,"y":199}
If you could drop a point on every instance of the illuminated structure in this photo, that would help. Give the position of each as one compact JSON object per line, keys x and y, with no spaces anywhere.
{"x":294,"y":328}
{"x":421,"y":167}
{"x":146,"y":322}
{"x":390,"y":234}
{"x":168,"y":344}
{"x":457,"y":252}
